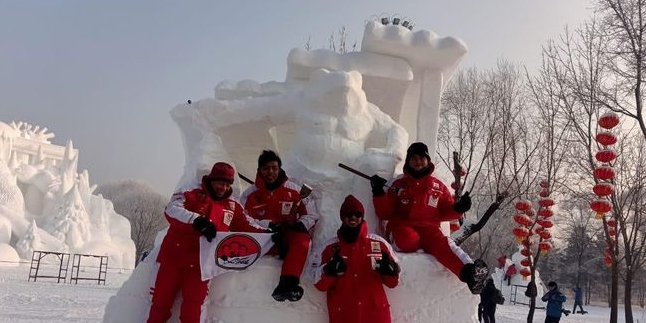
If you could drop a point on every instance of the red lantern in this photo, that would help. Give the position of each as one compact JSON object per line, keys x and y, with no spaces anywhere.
{"x":601,"y":206}
{"x":544,"y":184}
{"x":523,"y":205}
{"x":544,"y":193}
{"x":545,"y":212}
{"x":604,"y":173}
{"x":607,"y":261}
{"x":544,"y":247}
{"x":606,"y":138}
{"x":545,"y":234}
{"x":523,"y":219}
{"x":608,"y":120}
{"x":454,"y":186}
{"x":603,"y":189}
{"x":606,"y":155}
{"x":531,"y":212}
{"x":611,"y":232}
{"x":525,"y":272}
{"x":611,"y":223}
{"x":545,"y":223}
{"x":521,"y":232}
{"x":525,"y":262}
{"x":538,"y":230}
{"x":525,"y":252}
{"x":545,"y":202}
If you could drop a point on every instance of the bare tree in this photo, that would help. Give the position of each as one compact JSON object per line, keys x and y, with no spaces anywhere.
{"x":142,"y":206}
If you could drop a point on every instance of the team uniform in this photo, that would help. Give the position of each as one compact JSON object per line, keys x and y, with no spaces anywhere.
{"x":357,"y":294}
{"x":179,"y":254}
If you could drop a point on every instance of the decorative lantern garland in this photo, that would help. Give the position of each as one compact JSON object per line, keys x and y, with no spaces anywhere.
{"x":532,"y":223}
{"x":604,"y":175}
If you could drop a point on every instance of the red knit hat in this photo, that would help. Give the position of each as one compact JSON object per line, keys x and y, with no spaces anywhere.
{"x":351,"y":206}
{"x":221,"y":171}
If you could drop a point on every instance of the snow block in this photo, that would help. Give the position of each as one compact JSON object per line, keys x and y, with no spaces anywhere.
{"x":427,"y":293}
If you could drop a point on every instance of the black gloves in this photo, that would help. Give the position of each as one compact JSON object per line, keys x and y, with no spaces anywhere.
{"x":336,"y":266}
{"x":377,"y":183}
{"x":299,"y":227}
{"x":463,"y":204}
{"x":279,"y":238}
{"x":387,"y":266}
{"x":205,"y":227}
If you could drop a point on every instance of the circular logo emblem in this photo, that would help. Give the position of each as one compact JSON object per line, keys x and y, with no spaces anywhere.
{"x":237,"y":252}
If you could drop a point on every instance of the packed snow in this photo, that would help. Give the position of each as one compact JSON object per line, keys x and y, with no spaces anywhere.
{"x":46,"y":301}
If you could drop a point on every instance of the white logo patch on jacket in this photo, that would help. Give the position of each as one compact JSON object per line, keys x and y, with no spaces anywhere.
{"x":286,"y":208}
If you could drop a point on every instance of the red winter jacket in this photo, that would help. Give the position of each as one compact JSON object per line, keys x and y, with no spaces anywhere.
{"x":415,"y":202}
{"x":182,"y":241}
{"x":358,"y":295}
{"x":283,"y":204}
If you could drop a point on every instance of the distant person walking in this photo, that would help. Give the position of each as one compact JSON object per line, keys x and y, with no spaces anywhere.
{"x":555,"y":300}
{"x":578,"y":299}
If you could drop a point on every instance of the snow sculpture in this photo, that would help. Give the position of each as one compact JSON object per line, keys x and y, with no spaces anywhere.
{"x":333,"y":108}
{"x":511,"y":291}
{"x":47,"y":205}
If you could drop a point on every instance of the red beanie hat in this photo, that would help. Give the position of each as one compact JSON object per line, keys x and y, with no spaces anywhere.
{"x":221,"y":171}
{"x":351,"y":206}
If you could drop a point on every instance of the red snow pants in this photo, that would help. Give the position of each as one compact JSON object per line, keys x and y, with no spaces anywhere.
{"x":172,"y":278}
{"x":299,"y":246}
{"x":431,"y":240}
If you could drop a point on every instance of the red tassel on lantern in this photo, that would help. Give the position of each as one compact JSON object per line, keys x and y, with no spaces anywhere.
{"x":606,"y":138}
{"x":604,"y":173}
{"x":601,"y":205}
{"x":606,"y":155}
{"x":608,"y":120}
{"x":603,"y":189}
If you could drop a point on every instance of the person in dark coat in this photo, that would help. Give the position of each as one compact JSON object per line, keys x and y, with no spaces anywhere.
{"x":578,"y":299}
{"x":555,"y":300}
{"x":488,"y":301}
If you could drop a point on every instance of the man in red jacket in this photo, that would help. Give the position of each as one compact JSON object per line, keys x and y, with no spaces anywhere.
{"x":275,"y":201}
{"x":352,"y":269}
{"x":201,"y":210}
{"x":415,"y":205}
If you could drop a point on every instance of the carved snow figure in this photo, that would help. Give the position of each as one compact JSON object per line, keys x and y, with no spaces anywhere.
{"x":332,"y":122}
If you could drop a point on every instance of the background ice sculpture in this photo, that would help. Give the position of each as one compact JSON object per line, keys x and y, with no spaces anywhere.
{"x":45,"y":204}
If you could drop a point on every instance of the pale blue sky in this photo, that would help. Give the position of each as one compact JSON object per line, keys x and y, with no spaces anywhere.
{"x":106,"y":73}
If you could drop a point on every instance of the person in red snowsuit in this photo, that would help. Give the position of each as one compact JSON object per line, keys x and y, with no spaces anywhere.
{"x":415,"y":205}
{"x":353,"y":267}
{"x":276,"y":202}
{"x":203,"y":209}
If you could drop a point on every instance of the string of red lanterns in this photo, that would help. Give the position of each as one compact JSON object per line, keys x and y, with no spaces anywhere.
{"x":532,"y":223}
{"x":604,"y":174}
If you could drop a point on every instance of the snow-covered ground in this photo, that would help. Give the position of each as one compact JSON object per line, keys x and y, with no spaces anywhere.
{"x":47,"y":301}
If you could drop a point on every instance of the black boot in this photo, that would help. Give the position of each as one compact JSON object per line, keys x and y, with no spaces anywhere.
{"x":288,"y":289}
{"x":475,"y":275}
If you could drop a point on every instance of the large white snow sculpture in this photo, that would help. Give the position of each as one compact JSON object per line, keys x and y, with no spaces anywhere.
{"x":333,"y":108}
{"x":47,"y":205}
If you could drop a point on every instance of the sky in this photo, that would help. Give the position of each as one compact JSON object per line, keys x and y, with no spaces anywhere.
{"x":105,"y":74}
